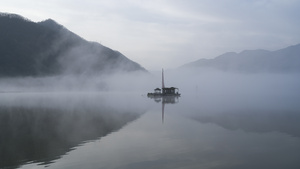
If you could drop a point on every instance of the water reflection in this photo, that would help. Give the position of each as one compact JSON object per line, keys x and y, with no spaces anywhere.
{"x":183,"y":143}
{"x":40,"y":128}
{"x":258,"y":113}
{"x":256,"y":121}
{"x":198,"y":133}
{"x":164,"y":100}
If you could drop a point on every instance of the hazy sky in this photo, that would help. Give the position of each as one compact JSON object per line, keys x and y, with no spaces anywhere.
{"x":170,"y":33}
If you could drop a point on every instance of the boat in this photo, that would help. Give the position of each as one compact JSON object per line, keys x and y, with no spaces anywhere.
{"x":164,"y":91}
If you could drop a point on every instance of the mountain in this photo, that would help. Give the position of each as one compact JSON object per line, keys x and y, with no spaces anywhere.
{"x":283,"y":60}
{"x":47,"y":48}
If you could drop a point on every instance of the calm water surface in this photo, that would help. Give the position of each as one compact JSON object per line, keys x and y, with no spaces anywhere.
{"x":122,"y":130}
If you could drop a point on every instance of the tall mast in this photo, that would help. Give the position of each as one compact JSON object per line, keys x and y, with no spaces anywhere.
{"x":162,"y":79}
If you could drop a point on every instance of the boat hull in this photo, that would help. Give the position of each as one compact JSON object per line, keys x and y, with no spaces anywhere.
{"x":162,"y":95}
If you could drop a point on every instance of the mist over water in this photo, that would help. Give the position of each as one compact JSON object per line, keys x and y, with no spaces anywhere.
{"x":122,"y":82}
{"x":221,"y":120}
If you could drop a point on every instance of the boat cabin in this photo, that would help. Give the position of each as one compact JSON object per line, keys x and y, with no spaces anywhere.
{"x":164,"y":91}
{"x":170,"y":90}
{"x":157,"y":90}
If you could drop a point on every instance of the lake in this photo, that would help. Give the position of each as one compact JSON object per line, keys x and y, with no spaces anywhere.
{"x":200,"y":129}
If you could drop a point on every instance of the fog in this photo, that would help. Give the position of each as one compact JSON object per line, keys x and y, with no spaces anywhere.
{"x":55,"y":115}
{"x":75,"y":83}
{"x":215,"y":92}
{"x":203,"y":92}
{"x":191,"y":82}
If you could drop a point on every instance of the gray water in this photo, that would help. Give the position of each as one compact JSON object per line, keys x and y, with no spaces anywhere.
{"x":200,"y":129}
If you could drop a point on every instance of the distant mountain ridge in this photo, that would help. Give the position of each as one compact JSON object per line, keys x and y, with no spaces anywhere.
{"x":283,"y":60}
{"x":48,"y":48}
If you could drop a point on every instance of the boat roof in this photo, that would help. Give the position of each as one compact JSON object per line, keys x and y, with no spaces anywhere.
{"x":170,"y":88}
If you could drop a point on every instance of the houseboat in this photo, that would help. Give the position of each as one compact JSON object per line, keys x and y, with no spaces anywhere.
{"x":164,"y":91}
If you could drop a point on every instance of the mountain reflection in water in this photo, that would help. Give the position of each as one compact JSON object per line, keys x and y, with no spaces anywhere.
{"x":40,"y":128}
{"x":258,"y":122}
{"x":192,"y":131}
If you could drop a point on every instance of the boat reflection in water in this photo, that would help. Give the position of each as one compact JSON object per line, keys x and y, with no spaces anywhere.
{"x":164,"y":100}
